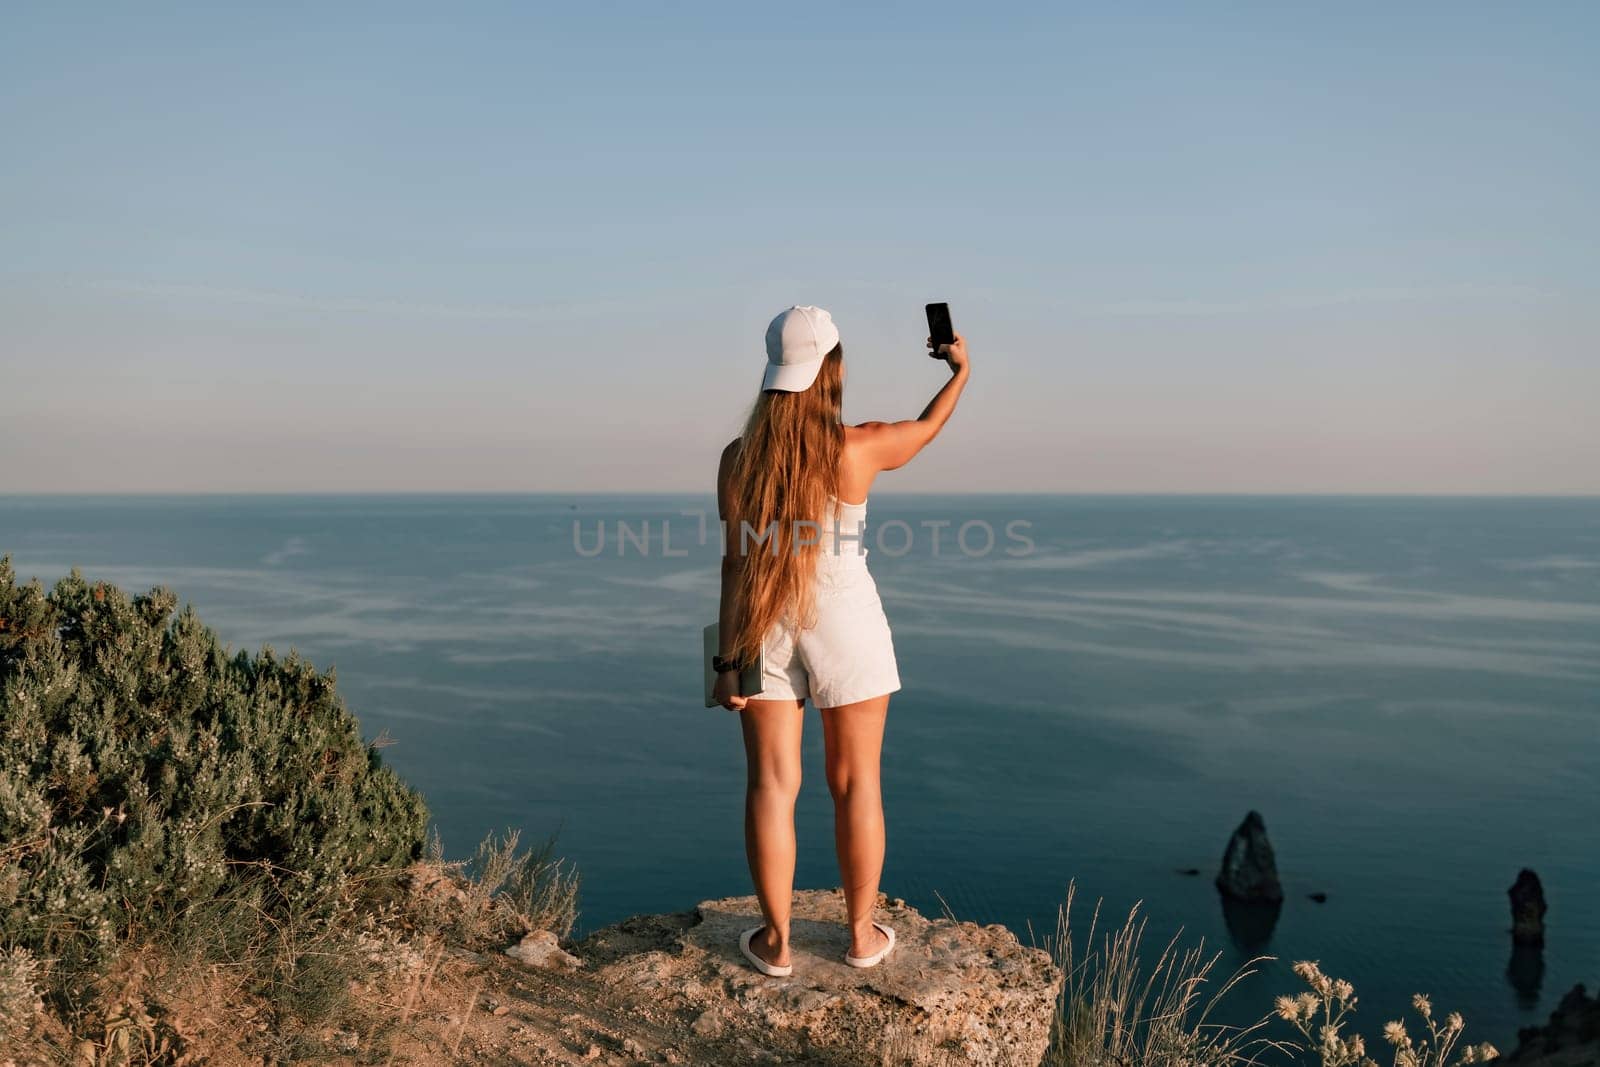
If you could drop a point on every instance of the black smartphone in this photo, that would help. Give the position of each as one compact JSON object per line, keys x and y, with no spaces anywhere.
{"x":939,"y":328}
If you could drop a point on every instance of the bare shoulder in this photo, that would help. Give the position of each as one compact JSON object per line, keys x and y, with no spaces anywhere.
{"x":863,"y":445}
{"x":887,"y":446}
{"x":868,"y":435}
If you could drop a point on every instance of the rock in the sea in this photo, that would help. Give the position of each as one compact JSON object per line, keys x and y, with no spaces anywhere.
{"x":1527,"y":908}
{"x":1249,"y":872}
{"x":542,"y":949}
{"x":950,"y":991}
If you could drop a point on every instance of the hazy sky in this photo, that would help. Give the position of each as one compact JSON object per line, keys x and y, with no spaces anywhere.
{"x":535,"y":247}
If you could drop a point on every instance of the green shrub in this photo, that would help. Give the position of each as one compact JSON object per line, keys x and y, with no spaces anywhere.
{"x":144,"y":770}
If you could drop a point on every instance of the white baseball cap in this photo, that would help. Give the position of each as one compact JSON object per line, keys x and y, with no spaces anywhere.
{"x":797,"y":340}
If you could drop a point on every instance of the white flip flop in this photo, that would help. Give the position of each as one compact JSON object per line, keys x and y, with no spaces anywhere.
{"x":874,"y":959}
{"x":775,"y":970}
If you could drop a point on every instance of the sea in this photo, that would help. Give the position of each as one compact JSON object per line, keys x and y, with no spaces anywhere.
{"x":1097,"y":689}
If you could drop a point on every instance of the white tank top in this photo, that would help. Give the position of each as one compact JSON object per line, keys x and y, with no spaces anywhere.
{"x":843,"y":550}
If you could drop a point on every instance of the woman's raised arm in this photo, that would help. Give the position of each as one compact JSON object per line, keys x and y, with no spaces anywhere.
{"x":888,"y":445}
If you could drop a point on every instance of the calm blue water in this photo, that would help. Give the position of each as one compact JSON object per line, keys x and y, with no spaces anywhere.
{"x":1407,"y":689}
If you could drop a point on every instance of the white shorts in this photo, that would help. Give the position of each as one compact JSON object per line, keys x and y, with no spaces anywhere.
{"x":847,"y":656}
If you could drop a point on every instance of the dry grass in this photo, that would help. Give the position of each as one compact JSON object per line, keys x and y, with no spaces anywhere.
{"x":1112,"y":1011}
{"x":219,"y":976}
{"x":1319,"y":1015}
{"x":511,"y":893}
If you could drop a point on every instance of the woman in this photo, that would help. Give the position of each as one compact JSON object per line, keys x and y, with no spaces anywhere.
{"x":803,"y":598}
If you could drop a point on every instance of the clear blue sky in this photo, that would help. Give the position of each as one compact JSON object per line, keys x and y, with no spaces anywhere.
{"x":1243,"y":247}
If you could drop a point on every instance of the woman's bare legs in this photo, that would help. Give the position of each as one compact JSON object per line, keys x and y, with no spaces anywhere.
{"x":772,"y":756}
{"x":853,"y":739}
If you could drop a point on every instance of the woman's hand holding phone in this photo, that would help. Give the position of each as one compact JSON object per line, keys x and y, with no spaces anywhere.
{"x":954,"y":353}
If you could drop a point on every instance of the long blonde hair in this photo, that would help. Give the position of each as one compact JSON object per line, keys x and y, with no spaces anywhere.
{"x":786,"y":472}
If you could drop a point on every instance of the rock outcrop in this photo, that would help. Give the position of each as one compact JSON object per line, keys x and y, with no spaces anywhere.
{"x":1570,"y":1039}
{"x":1527,"y":908}
{"x":950,"y":992}
{"x":1249,"y":872}
{"x":542,"y":949}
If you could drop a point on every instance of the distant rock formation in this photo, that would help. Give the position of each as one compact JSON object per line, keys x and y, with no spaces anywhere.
{"x":1570,"y":1039}
{"x":1527,"y":908}
{"x":1249,"y":873}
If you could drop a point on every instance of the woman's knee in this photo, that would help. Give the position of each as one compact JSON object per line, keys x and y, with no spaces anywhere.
{"x":846,"y":781}
{"x":774,"y":781}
